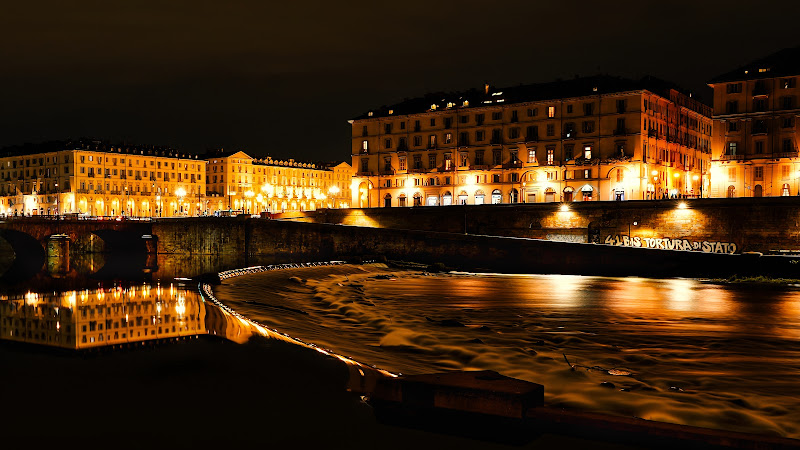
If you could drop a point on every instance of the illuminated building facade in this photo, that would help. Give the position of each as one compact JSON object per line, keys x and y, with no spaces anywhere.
{"x":98,"y":180}
{"x":593,"y":138}
{"x":237,"y":181}
{"x":755,"y":128}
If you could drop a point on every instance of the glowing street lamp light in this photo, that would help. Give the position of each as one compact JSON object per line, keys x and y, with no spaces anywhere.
{"x":180,"y":192}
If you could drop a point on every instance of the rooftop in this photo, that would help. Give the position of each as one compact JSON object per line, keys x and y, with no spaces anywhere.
{"x":559,"y":89}
{"x":781,"y":63}
{"x":94,"y":145}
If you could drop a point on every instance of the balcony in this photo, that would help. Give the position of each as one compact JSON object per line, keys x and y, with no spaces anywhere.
{"x":787,"y":155}
{"x":760,"y":91}
{"x":513,"y":165}
{"x":726,"y":157}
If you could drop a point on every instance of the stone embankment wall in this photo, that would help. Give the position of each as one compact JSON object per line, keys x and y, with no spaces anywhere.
{"x":751,"y":224}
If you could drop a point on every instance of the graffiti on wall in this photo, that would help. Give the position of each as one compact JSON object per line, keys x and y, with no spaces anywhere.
{"x":671,"y":244}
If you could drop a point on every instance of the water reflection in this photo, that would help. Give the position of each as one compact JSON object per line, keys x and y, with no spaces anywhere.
{"x":102,"y":317}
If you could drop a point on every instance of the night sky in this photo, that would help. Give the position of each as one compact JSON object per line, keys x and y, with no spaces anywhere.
{"x":283,"y":78}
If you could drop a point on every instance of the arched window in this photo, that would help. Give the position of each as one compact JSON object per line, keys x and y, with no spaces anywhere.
{"x":401,"y":200}
{"x":568,"y":194}
{"x":497,"y":197}
{"x":387,"y":201}
{"x":479,"y":195}
{"x":758,"y":191}
{"x":513,"y":196}
{"x":731,"y":191}
{"x":784,"y":191}
{"x":549,"y":195}
{"x":447,"y":199}
{"x":417,"y":199}
{"x":462,"y":198}
{"x":587,"y":192}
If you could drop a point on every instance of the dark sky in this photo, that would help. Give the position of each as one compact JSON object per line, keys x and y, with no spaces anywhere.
{"x":282,"y":78}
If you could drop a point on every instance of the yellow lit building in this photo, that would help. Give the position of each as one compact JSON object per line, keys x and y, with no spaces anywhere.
{"x":237,"y":181}
{"x":587,"y":139}
{"x":99,"y":180}
{"x":756,"y":109}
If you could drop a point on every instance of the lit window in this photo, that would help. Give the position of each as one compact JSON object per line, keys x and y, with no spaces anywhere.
{"x":551,"y":111}
{"x":587,"y":152}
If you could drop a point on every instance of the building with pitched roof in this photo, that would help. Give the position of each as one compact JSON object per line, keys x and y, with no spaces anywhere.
{"x":586,"y":139}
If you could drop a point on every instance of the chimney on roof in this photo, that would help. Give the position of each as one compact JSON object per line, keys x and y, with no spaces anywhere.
{"x":486,"y":88}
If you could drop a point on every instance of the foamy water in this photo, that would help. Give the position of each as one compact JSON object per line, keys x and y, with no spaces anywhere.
{"x":678,"y":350}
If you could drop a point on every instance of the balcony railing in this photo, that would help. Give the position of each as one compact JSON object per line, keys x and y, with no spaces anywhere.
{"x":726,"y":157}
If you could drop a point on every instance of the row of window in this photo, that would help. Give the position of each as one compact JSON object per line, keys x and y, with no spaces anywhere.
{"x":761,"y":104}
{"x":157,"y":164}
{"x":760,"y":146}
{"x":588,"y":110}
{"x":760,"y":126}
{"x":531,"y":134}
{"x":761,"y":85}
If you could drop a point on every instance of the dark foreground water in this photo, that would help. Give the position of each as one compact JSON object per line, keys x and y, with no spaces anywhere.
{"x":678,"y":350}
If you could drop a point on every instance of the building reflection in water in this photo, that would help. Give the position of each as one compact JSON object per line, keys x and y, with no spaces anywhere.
{"x":102,"y":317}
{"x":118,"y":316}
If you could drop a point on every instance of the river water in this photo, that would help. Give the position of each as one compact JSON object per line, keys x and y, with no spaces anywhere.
{"x":688,"y":351}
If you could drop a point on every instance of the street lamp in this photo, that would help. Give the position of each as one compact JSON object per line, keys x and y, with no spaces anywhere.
{"x":125,"y":210}
{"x":249,"y":195}
{"x":333,"y":191}
{"x":180,"y":192}
{"x":58,"y":194}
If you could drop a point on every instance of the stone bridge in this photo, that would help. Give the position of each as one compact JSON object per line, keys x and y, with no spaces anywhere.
{"x":32,"y":236}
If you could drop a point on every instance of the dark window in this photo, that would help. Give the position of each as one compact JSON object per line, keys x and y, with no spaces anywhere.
{"x":734,"y":88}
{"x":497,"y":157}
{"x":733,"y":126}
{"x":448,"y":122}
{"x":497,"y":115}
{"x":479,"y":157}
{"x":403,"y":125}
{"x":532,"y":133}
{"x":463,"y":138}
{"x":480,"y":135}
{"x":464,"y":119}
{"x":433,"y":122}
{"x":620,"y":126}
{"x":551,"y":129}
{"x":514,"y":116}
{"x":387,"y":143}
{"x":588,"y":109}
{"x":496,"y":136}
{"x":588,"y":126}
{"x":620,"y":106}
{"x":364,"y":131}
{"x":732,"y":107}
{"x":569,"y":109}
{"x":387,"y":128}
{"x":479,"y":119}
{"x":787,"y":102}
{"x":513,"y":133}
{"x":416,"y":125}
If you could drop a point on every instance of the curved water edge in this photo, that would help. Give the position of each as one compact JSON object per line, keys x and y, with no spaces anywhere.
{"x":674,"y":350}
{"x":362,"y":377}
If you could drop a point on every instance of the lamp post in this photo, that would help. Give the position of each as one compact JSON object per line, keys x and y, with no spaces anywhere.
{"x":58,"y":194}
{"x":125,"y":210}
{"x":249,"y":195}
{"x":333,"y":191}
{"x":180,"y":193}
